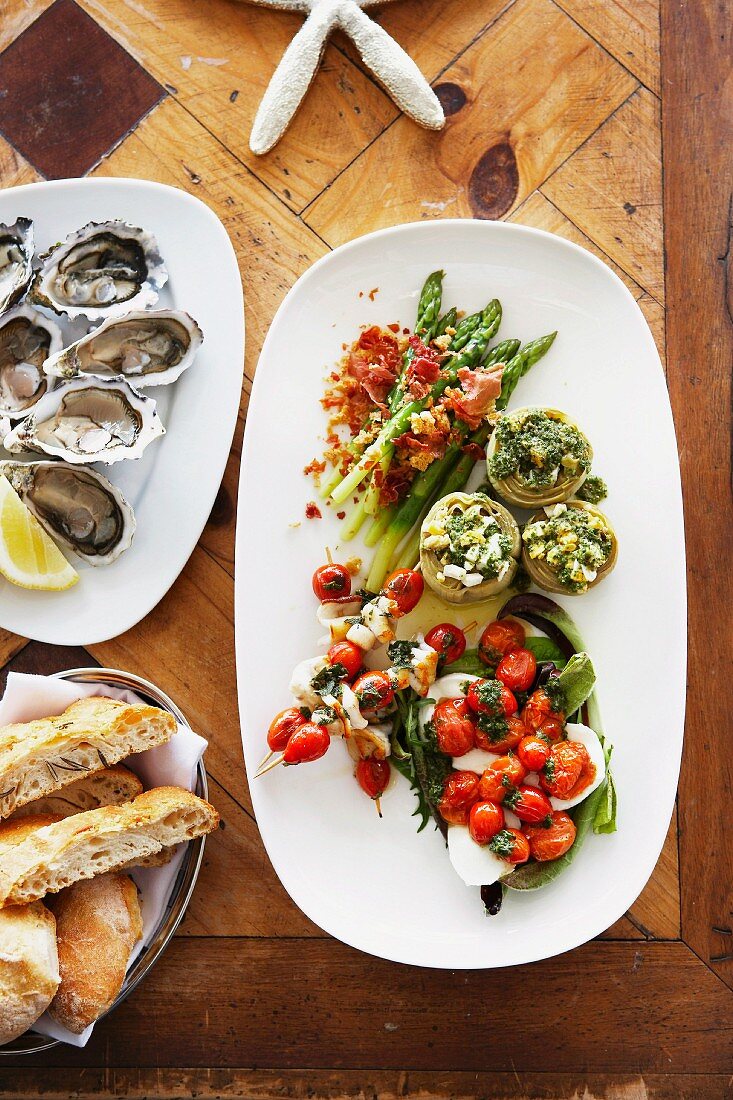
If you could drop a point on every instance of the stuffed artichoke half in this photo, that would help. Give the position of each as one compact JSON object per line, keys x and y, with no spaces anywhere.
{"x":537,"y":456}
{"x":569,"y":547}
{"x":469,"y":547}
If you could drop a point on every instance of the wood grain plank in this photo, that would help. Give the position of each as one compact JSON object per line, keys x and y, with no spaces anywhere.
{"x":535,"y":86}
{"x":629,"y":29}
{"x":539,"y":212}
{"x":376,"y":1084}
{"x":698,"y":208}
{"x":219,"y":57}
{"x":657,"y":909}
{"x":612,"y":189}
{"x":272,"y":245}
{"x":238,"y":893}
{"x":14,"y":169}
{"x":10,"y":645}
{"x":317,"y":1004}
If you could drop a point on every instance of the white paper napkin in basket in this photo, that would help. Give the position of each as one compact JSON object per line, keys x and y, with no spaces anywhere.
{"x":174,"y":764}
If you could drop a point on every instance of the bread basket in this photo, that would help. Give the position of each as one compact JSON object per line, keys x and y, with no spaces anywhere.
{"x":183,"y":887}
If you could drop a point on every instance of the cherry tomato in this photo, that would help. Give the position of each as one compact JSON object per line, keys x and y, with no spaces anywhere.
{"x":529,"y":804}
{"x":373,"y":776}
{"x":553,"y":841}
{"x":405,"y":587}
{"x":499,"y":638}
{"x":460,"y":791}
{"x":481,"y":698}
{"x":539,"y":717}
{"x":510,"y":845}
{"x":373,"y":690}
{"x":282,"y":727}
{"x":309,"y":742}
{"x":501,"y":742}
{"x":330,"y":581}
{"x":533,"y":751}
{"x":454,"y":728}
{"x":565,"y":765}
{"x":500,"y":777}
{"x":448,"y":640}
{"x":517,"y":669}
{"x":485,"y":820}
{"x":348,"y":655}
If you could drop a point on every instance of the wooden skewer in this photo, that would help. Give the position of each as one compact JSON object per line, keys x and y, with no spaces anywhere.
{"x":329,"y":559}
{"x":471,"y":626}
{"x":270,"y":766}
{"x":267,"y":757}
{"x":378,"y":804}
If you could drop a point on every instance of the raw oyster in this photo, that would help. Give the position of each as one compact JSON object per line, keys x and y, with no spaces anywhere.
{"x":102,"y":270}
{"x":150,"y":347}
{"x":16,"y":257}
{"x":27,"y":338}
{"x":89,"y":419}
{"x":78,"y":507}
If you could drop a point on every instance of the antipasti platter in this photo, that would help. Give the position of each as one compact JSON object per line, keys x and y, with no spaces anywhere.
{"x":452,"y":518}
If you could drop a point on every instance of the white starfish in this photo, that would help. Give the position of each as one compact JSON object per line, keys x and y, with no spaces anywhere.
{"x":395,"y":70}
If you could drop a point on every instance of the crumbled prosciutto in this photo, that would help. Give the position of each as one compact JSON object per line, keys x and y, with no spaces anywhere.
{"x":423,"y":370}
{"x":374,"y":362}
{"x":478,"y":392}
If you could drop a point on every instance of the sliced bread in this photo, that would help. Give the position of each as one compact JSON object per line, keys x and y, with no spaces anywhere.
{"x":109,"y":787}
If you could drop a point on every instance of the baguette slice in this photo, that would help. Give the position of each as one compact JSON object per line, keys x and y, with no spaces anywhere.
{"x":38,"y":758}
{"x":98,"y":922}
{"x":101,"y":840}
{"x":109,"y":787}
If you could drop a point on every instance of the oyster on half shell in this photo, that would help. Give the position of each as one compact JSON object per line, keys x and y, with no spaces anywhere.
{"x":16,"y":258}
{"x":150,"y":347}
{"x":27,"y":338}
{"x":102,"y":270}
{"x":77,"y":506}
{"x":89,"y":419}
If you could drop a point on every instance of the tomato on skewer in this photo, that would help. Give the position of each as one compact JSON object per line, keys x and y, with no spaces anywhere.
{"x":405,"y":587}
{"x":283,"y":726}
{"x":348,"y":655}
{"x":308,"y":743}
{"x":447,"y":640}
{"x":373,"y":776}
{"x":374,"y":690}
{"x":498,"y":639}
{"x":331,"y":580}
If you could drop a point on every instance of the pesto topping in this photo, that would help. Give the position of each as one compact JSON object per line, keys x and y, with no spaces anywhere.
{"x":328,"y":680}
{"x":536,"y":449}
{"x":574,"y":543}
{"x":502,"y":844}
{"x":491,"y":719}
{"x":468,"y":543}
{"x":401,"y":653}
{"x":593,"y":489}
{"x":556,"y":694}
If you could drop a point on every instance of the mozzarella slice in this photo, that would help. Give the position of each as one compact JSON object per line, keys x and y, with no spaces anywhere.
{"x":300,"y":683}
{"x":588,"y":737}
{"x":445,"y":687}
{"x":477,"y":760}
{"x":475,"y":863}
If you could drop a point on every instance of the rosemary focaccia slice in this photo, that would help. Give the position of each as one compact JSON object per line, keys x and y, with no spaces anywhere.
{"x":38,"y":758}
{"x":109,"y":787}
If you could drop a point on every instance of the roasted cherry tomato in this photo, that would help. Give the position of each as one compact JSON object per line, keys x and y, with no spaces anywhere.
{"x":567,"y":763}
{"x":501,"y":776}
{"x":517,"y":669}
{"x":499,"y":638}
{"x":460,"y":791}
{"x":533,"y":751}
{"x":553,"y":840}
{"x":491,"y":697}
{"x":330,"y":581}
{"x":485,"y":820}
{"x":447,"y":640}
{"x":529,"y":804}
{"x":373,"y":690}
{"x":373,"y":776}
{"x":511,"y":845}
{"x":348,"y":655}
{"x":282,"y":728}
{"x":454,"y":728}
{"x":539,"y":717}
{"x":309,"y":742}
{"x":405,"y":587}
{"x":501,"y":741}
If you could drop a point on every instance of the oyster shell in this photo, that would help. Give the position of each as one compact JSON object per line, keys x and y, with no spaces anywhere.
{"x":27,"y":338}
{"x":89,"y":419}
{"x":102,"y":270}
{"x":150,"y":347}
{"x":16,"y":257}
{"x":77,"y":506}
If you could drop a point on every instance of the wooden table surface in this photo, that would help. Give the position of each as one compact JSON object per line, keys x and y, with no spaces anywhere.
{"x":558,"y":114}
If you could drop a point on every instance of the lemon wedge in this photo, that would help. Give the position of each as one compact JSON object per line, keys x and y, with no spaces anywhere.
{"x":28,"y":557}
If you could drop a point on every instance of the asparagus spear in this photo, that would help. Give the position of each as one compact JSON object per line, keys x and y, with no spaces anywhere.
{"x":448,"y":320}
{"x":520,"y":364}
{"x":470,"y":356}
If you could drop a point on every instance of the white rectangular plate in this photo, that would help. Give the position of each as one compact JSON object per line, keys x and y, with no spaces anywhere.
{"x":173,"y":486}
{"x":375,"y":883}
